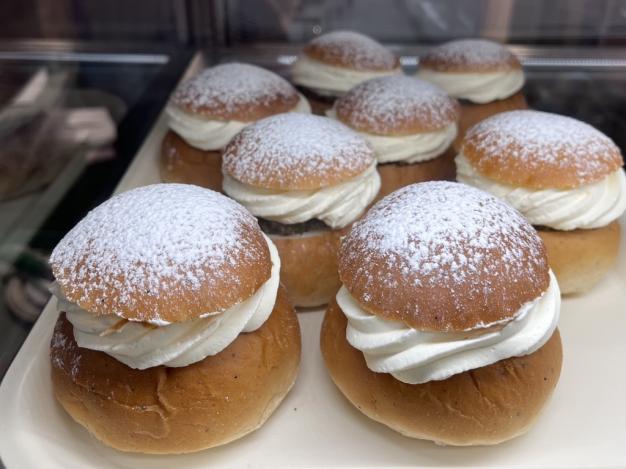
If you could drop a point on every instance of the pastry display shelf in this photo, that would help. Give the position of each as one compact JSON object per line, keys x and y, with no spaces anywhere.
{"x":584,"y":424}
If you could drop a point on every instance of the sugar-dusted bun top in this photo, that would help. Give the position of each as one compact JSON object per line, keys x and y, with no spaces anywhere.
{"x":397,"y":105}
{"x":162,"y":253}
{"x":296,"y":152}
{"x":469,"y":55}
{"x":443,"y":256}
{"x":236,"y":91}
{"x":349,"y":49}
{"x":540,"y":150}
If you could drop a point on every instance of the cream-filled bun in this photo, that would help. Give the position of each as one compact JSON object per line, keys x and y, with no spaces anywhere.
{"x":560,"y":173}
{"x":210,"y":108}
{"x":447,"y":307}
{"x":477,"y":70}
{"x":295,"y":169}
{"x":333,"y":63}
{"x":168,"y":295}
{"x":292,"y":168}
{"x":405,"y":119}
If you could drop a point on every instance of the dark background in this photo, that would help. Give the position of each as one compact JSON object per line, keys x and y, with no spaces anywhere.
{"x":232,"y":22}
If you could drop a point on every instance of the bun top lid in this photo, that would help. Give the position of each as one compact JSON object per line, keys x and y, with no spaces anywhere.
{"x":397,"y":105}
{"x":469,"y":55}
{"x":162,"y":253}
{"x":540,"y":150}
{"x":349,"y":49}
{"x":235,"y":91}
{"x":295,"y":151}
{"x":443,"y":256}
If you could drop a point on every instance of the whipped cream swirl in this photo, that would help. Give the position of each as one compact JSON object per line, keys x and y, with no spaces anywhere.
{"x":207,"y":134}
{"x":142,"y":346}
{"x":337,"y":205}
{"x":585,"y":207}
{"x":476,"y":87}
{"x":414,"y":148}
{"x":329,"y":80}
{"x":415,"y":357}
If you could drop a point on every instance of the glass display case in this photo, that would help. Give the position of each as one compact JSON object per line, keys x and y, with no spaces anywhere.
{"x":83,"y":86}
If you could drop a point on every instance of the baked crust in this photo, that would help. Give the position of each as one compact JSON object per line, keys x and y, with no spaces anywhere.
{"x":182,"y":163}
{"x":179,"y":410}
{"x":309,"y":266}
{"x":348,"y":49}
{"x":539,"y":150}
{"x":581,"y":258}
{"x":484,"y":406}
{"x":296,"y":152}
{"x":162,"y":253}
{"x":235,"y":91}
{"x":393,"y":176}
{"x":443,"y":256}
{"x":396,"y":105}
{"x":470,"y":56}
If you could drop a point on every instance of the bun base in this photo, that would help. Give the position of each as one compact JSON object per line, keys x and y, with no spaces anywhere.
{"x":165,"y":410}
{"x":484,"y":406}
{"x":581,"y":258}
{"x":393,"y":176}
{"x":319,"y":104}
{"x":309,"y":269}
{"x":182,"y":163}
{"x":473,"y":113}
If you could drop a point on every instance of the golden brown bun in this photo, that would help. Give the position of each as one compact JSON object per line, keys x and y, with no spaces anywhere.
{"x":472,"y":113}
{"x":393,"y":176}
{"x":235,"y":91}
{"x":443,"y":256}
{"x":540,"y":150}
{"x":469,"y":56}
{"x":581,"y":258}
{"x":396,"y":105}
{"x":180,"y":162}
{"x":179,"y":410}
{"x":162,"y":253}
{"x":352,"y":50}
{"x":479,"y":407}
{"x":296,"y":152}
{"x":309,"y":266}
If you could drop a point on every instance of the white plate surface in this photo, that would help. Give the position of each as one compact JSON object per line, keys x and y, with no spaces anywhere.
{"x":583,"y":426}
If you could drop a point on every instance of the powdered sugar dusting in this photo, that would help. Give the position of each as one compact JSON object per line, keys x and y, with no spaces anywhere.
{"x":289,"y":150}
{"x":471,"y":53}
{"x":161,"y":242}
{"x":383,"y":104}
{"x":233,"y":87}
{"x":442,"y":231}
{"x":540,"y":141}
{"x":355,"y":50}
{"x":453,"y":244}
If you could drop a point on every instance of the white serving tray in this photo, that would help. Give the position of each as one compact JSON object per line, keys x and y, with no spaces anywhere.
{"x":583,"y":426}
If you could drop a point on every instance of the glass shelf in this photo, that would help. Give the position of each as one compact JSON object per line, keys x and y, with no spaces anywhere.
{"x":70,"y":123}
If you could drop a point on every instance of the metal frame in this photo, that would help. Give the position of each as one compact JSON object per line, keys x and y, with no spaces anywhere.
{"x":532,"y":56}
